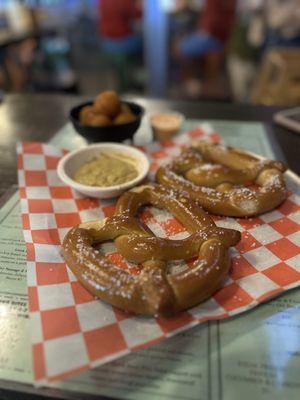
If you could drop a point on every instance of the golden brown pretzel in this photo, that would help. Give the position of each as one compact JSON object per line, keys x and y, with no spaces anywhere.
{"x":153,"y":290}
{"x":215,"y":177}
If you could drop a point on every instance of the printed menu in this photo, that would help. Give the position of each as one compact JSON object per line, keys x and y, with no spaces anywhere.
{"x":15,"y":352}
{"x":256,"y":354}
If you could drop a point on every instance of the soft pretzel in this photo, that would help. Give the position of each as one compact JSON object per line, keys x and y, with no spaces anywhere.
{"x":215,"y":176}
{"x":152,"y":291}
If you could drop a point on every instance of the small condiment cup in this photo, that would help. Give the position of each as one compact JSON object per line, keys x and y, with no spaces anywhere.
{"x":166,"y":124}
{"x":71,"y":162}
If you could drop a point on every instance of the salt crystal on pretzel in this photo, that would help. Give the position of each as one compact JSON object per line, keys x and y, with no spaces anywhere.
{"x":215,"y":176}
{"x":154,"y":290}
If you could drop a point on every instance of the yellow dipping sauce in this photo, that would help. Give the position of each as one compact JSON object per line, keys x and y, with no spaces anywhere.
{"x":109,"y":169}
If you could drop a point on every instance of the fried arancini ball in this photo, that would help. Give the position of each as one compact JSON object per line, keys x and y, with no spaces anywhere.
{"x":86,"y":114}
{"x":108,"y":103}
{"x":100,"y":120}
{"x":125,"y":109}
{"x":124,"y":118}
{"x":98,"y":107}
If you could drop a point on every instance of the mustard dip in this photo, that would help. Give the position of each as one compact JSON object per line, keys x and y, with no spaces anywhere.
{"x":109,"y":169}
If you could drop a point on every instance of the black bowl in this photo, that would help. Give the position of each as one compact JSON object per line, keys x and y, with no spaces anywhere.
{"x":111,"y":133}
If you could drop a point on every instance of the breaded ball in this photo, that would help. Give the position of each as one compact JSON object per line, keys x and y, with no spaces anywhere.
{"x":100,"y":120}
{"x":125,"y":109}
{"x":108,"y":103}
{"x":98,"y":107}
{"x":86,"y":114}
{"x":124,"y":118}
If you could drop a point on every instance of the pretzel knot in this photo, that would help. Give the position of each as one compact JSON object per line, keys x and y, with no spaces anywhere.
{"x":154,"y":290}
{"x":216,"y":177}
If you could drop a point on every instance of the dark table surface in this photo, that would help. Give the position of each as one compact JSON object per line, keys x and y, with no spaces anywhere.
{"x":38,"y":117}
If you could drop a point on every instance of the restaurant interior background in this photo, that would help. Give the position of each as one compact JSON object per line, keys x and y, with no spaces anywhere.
{"x":240,"y":51}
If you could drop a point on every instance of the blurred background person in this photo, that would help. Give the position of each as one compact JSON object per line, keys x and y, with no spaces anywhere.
{"x":244,"y":48}
{"x":203,"y":50}
{"x":17,"y":57}
{"x":282,"y":23}
{"x":120,"y":36}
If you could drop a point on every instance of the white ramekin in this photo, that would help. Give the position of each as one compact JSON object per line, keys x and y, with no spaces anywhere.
{"x":71,"y":162}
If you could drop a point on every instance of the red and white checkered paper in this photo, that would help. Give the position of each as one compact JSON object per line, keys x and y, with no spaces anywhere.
{"x":71,"y":330}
